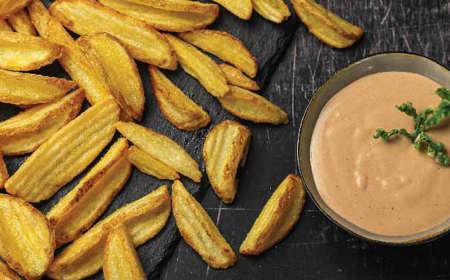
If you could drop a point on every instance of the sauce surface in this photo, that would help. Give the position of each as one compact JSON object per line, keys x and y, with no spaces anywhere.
{"x":385,"y":188}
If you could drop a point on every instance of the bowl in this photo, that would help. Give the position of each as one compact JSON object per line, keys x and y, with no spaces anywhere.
{"x":404,"y":62}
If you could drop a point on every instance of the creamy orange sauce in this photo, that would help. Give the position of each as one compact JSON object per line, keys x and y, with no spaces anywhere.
{"x":385,"y":188}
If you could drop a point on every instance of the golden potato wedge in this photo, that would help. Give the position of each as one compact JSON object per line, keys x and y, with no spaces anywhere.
{"x":168,"y":15}
{"x":143,"y":218}
{"x":4,"y":175}
{"x":8,"y":7}
{"x":20,"y":52}
{"x":161,"y":148}
{"x":225,"y":46}
{"x":120,"y":71}
{"x":4,"y":25}
{"x":20,"y":21}
{"x":235,"y":77}
{"x":199,"y":231}
{"x":151,"y":166}
{"x":64,"y":155}
{"x":327,"y":26}
{"x":31,"y":89}
{"x":225,"y":148}
{"x":200,"y":66}
{"x":7,"y":273}
{"x":77,"y":211}
{"x":277,"y":218}
{"x":142,"y":41}
{"x":252,"y":107}
{"x":120,"y":260}
{"x":178,"y":108}
{"x":27,"y":241}
{"x":274,"y":10}
{"x":26,"y":131}
{"x":243,"y":9}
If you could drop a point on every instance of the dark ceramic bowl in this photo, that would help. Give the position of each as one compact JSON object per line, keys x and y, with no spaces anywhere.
{"x":377,"y":63}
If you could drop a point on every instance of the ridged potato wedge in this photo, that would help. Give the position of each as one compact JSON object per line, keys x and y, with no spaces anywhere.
{"x":327,"y":26}
{"x":274,"y":10}
{"x":142,"y":41}
{"x":243,"y":9}
{"x":277,"y":218}
{"x":8,"y":7}
{"x":7,"y":273}
{"x":4,"y":25}
{"x":178,"y":108}
{"x":31,"y":89}
{"x":20,"y":21}
{"x":225,"y":46}
{"x":120,"y":260}
{"x":143,"y":218}
{"x":235,"y":77}
{"x":168,"y":15}
{"x":199,"y":231}
{"x":4,"y":175}
{"x":27,"y":241}
{"x":252,"y":107}
{"x":151,"y":166}
{"x":20,"y":52}
{"x":161,"y":148}
{"x":64,"y":155}
{"x":26,"y":131}
{"x":77,"y":211}
{"x":224,"y":150}
{"x":200,"y":66}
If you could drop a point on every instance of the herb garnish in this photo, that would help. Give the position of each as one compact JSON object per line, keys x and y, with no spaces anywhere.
{"x":424,"y":121}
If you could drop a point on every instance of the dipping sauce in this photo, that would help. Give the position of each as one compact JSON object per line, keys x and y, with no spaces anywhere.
{"x":386,"y":188}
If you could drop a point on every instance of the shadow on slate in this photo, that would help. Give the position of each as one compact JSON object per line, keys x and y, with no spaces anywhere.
{"x":267,"y":41}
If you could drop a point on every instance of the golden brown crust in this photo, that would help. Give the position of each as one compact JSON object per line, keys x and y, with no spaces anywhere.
{"x":8,"y":7}
{"x":4,"y":175}
{"x":274,"y":10}
{"x":4,"y":25}
{"x":20,"y":21}
{"x":7,"y":273}
{"x":151,"y":166}
{"x":243,"y":9}
{"x":235,"y":77}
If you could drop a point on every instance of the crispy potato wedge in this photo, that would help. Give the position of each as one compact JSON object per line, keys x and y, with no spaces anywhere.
{"x":31,"y":89}
{"x":20,"y":52}
{"x":120,"y":71}
{"x":225,"y":46}
{"x":327,"y":26}
{"x":27,"y":241}
{"x":26,"y":131}
{"x":274,"y":10}
{"x":4,"y":25}
{"x":151,"y":166}
{"x":120,"y":260}
{"x":8,"y":7}
{"x":168,"y":15}
{"x":225,"y":148}
{"x":7,"y":273}
{"x":235,"y":77}
{"x":142,"y":41}
{"x":199,"y":231}
{"x":77,"y":211}
{"x":277,"y":218}
{"x":64,"y":155}
{"x":252,"y":107}
{"x":200,"y":66}
{"x":4,"y":175}
{"x":143,"y":218}
{"x":161,"y":148}
{"x":177,"y":107}
{"x":243,"y":9}
{"x":20,"y":21}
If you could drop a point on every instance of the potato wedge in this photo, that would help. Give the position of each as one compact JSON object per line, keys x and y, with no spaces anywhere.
{"x":64,"y":155}
{"x":161,"y":148}
{"x":120,"y":260}
{"x":20,"y":21}
{"x":4,"y":25}
{"x":250,"y":106}
{"x":142,"y":41}
{"x":225,"y":148}
{"x":327,"y":26}
{"x":243,"y":9}
{"x":20,"y":52}
{"x":151,"y":166}
{"x":277,"y":218}
{"x":27,"y":241}
{"x":4,"y":175}
{"x":225,"y":46}
{"x":7,"y":273}
{"x":143,"y":218}
{"x":77,"y":211}
{"x":274,"y":10}
{"x":200,"y":66}
{"x":235,"y":77}
{"x":8,"y":7}
{"x":168,"y":15}
{"x":26,"y":131}
{"x":120,"y":71}
{"x":31,"y":89}
{"x":199,"y":231}
{"x":177,"y":107}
